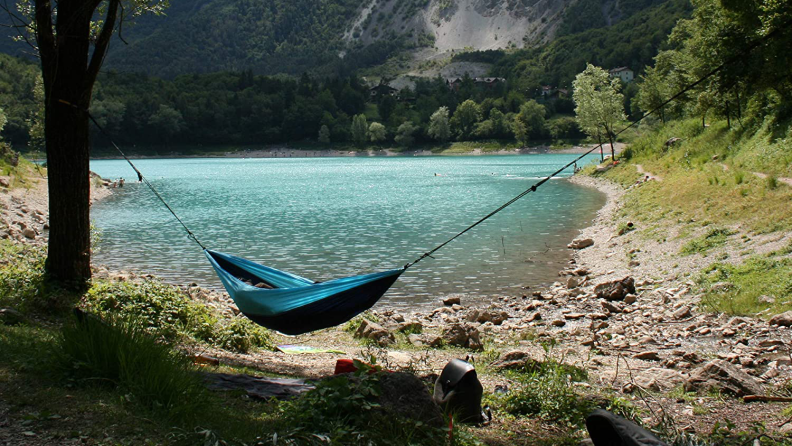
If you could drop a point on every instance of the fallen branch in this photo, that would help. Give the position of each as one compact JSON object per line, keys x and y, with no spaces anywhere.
{"x":766,"y":399}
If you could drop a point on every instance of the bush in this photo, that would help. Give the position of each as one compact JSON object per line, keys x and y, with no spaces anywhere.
{"x":120,"y":353}
{"x":159,"y":307}
{"x":241,"y":335}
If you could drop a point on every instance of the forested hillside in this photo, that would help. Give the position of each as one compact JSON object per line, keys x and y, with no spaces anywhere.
{"x":241,"y":107}
{"x":336,"y":37}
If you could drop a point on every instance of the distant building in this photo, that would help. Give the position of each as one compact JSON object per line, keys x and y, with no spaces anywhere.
{"x":625,"y":74}
{"x":489,"y":82}
{"x":548,"y":91}
{"x":383,"y":90}
{"x":455,"y":83}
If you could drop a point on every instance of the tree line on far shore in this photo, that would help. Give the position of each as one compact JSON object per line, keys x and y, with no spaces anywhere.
{"x":243,"y":108}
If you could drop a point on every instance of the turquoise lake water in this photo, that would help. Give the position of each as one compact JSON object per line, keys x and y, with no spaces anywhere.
{"x":324,"y":218}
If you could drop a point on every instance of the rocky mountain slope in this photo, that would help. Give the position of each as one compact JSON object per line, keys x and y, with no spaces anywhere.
{"x":292,"y":36}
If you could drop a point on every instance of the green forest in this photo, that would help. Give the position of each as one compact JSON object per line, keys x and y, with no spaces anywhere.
{"x":242,"y":108}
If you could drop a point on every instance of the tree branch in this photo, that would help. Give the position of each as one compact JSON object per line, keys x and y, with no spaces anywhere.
{"x":102,"y":42}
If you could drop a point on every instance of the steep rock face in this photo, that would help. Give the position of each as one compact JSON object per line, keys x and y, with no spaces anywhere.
{"x":458,"y":24}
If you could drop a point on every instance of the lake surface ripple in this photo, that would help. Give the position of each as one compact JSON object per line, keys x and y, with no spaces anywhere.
{"x":325,"y":218}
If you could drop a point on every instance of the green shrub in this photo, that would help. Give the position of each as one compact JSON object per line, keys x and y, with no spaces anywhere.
{"x":120,"y":353}
{"x":241,"y":335}
{"x":159,"y":307}
{"x":163,"y":309}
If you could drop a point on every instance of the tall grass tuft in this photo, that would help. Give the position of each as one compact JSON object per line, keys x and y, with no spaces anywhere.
{"x":120,"y":354}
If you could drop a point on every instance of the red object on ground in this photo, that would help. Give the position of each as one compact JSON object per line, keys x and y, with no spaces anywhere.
{"x":344,"y":366}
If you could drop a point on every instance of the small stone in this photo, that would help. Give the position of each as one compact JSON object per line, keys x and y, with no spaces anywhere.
{"x":9,"y":316}
{"x":615,"y":290}
{"x":558,"y":323}
{"x":610,"y":307}
{"x":574,"y":282}
{"x":581,"y":243}
{"x":574,"y":316}
{"x":452,"y":300}
{"x":535,"y":316}
{"x":648,"y":356}
{"x":630,"y":299}
{"x":771,"y":343}
{"x":682,"y":313}
{"x":783,"y":319}
{"x":29,"y":233}
{"x":765,"y":299}
{"x":411,"y":327}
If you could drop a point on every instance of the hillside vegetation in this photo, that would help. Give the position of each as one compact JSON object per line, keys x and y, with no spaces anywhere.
{"x":335,"y":37}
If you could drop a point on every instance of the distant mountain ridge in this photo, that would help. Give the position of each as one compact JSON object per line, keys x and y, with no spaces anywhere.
{"x":293,"y":36}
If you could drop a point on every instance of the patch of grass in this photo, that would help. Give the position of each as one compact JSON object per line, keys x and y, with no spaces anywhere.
{"x":23,"y":283}
{"x":713,"y":238}
{"x":548,"y":393}
{"x":121,"y":353}
{"x":758,"y":276}
{"x":695,"y":184}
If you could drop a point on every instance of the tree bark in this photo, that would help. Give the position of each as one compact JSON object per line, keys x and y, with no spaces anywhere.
{"x":64,"y":59}
{"x":69,"y":72}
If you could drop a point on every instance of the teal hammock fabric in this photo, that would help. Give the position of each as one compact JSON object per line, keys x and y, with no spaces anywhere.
{"x":296,"y":305}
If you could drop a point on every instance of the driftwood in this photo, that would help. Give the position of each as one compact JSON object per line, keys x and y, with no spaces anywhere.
{"x":766,"y":399}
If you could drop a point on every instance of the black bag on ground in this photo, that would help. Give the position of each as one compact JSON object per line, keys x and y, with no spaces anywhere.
{"x":607,"y":429}
{"x":458,"y":391}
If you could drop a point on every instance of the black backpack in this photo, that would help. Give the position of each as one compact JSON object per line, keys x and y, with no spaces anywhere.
{"x":458,"y":391}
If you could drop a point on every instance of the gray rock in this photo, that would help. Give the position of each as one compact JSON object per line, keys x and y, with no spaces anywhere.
{"x":765,"y":299}
{"x":648,"y":356}
{"x":452,"y":300}
{"x":721,"y":287}
{"x":517,"y":360}
{"x":660,"y":379}
{"x":783,"y":319}
{"x":9,"y":316}
{"x":410,"y":326}
{"x":682,"y":313}
{"x":610,"y":307}
{"x":616,"y":290}
{"x":29,"y":233}
{"x":574,"y":282}
{"x":375,"y":332}
{"x":463,"y":335}
{"x":581,"y":243}
{"x":630,"y":299}
{"x":722,"y":376}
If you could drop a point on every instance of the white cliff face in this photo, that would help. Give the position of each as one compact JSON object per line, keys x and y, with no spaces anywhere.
{"x":462,"y":24}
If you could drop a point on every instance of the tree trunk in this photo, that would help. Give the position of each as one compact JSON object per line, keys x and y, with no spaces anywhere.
{"x":613,"y":150}
{"x":66,"y":130}
{"x":64,"y":63}
{"x":602,"y":155}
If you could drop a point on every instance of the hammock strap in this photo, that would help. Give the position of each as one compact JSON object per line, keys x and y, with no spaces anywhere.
{"x":755,"y":44}
{"x":141,"y":178}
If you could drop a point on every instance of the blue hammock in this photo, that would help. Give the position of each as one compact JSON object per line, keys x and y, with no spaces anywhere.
{"x":292,"y":304}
